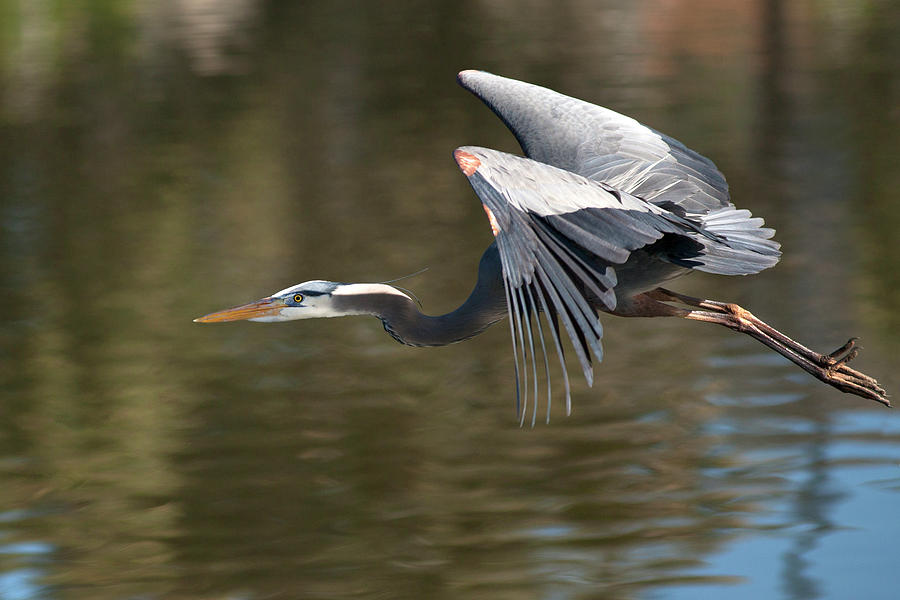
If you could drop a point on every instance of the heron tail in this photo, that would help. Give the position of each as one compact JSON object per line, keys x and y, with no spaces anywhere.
{"x":738,"y":244}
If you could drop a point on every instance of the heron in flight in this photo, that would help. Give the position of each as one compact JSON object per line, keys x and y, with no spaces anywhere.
{"x":599,"y":212}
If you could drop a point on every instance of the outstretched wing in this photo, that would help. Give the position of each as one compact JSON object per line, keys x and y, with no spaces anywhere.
{"x":601,"y":144}
{"x":560,"y":236}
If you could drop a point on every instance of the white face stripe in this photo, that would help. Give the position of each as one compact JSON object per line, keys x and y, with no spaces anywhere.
{"x":346,"y":289}
{"x":350,"y":289}
{"x":296,"y":287}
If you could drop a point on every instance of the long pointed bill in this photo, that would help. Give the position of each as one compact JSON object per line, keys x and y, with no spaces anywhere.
{"x":267,"y":307}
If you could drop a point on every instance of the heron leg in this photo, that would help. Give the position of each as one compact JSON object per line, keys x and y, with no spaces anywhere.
{"x":829,"y":368}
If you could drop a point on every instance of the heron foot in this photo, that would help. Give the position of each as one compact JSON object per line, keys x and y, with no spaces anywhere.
{"x":829,"y":368}
{"x":835,"y":365}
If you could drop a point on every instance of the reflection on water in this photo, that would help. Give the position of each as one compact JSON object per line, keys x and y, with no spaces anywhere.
{"x":160,"y":160}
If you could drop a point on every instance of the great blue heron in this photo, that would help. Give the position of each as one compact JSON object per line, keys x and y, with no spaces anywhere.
{"x":602,"y":211}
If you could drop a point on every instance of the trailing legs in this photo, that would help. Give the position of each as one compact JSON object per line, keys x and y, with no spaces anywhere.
{"x":830,"y":368}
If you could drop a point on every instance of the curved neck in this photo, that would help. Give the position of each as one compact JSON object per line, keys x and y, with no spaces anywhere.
{"x":485,"y":306}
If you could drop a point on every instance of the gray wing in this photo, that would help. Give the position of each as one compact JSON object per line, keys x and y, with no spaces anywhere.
{"x":601,"y":144}
{"x":559,"y":237}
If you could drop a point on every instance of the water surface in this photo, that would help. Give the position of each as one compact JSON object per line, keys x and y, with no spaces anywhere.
{"x":162,"y":160}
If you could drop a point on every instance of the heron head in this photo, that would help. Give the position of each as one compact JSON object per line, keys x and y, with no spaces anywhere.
{"x":309,"y":300}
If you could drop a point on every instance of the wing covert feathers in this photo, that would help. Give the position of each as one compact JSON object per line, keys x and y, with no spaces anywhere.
{"x":600,"y":144}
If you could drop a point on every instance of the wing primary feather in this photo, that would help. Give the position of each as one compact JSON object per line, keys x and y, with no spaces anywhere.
{"x":589,"y":314}
{"x":517,"y":309}
{"x":553,"y":322}
{"x":529,"y":331}
{"x":519,"y":349}
{"x":573,"y":299}
{"x":512,"y":330}
{"x":566,"y":317}
{"x":540,"y":336}
{"x":579,"y":309}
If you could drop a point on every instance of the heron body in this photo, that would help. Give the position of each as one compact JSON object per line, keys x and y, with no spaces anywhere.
{"x":599,"y":212}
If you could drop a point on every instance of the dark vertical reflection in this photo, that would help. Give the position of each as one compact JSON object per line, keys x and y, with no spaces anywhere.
{"x":812,"y":504}
{"x":773,"y":102}
{"x":799,"y":150}
{"x":867,"y":87}
{"x":777,"y":117}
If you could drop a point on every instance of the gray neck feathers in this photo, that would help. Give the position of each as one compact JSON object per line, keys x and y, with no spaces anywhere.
{"x":402,"y":319}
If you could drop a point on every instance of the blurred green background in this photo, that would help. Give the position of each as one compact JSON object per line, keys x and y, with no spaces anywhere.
{"x":163,"y":159}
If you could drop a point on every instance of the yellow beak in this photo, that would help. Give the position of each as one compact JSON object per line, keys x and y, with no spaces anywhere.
{"x":267,"y":307}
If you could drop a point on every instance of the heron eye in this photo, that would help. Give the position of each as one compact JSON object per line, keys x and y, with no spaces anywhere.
{"x":298,"y":298}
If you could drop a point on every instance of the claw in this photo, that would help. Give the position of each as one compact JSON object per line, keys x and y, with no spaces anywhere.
{"x":850,"y":344}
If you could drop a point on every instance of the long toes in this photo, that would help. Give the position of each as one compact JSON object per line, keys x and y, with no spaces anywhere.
{"x":873,"y":388}
{"x":843,"y":369}
{"x":874,"y":392}
{"x":878,"y":395}
{"x":858,"y":378}
{"x":871,"y":391}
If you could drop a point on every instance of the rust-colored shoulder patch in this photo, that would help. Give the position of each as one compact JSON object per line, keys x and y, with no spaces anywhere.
{"x":468,"y":163}
{"x":495,"y":227}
